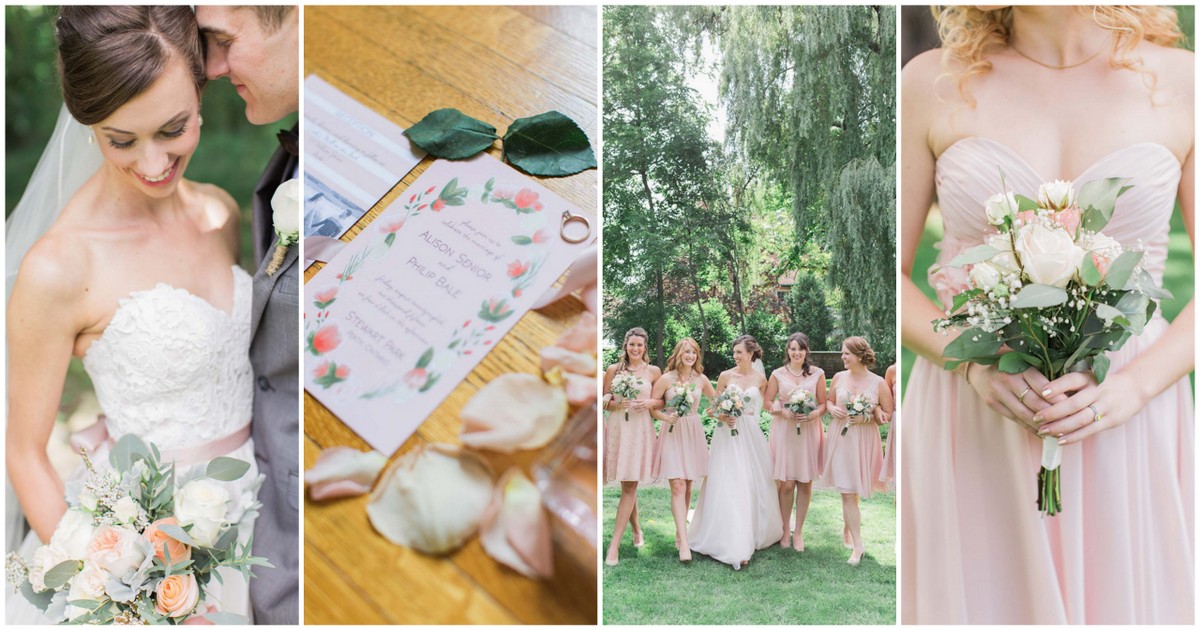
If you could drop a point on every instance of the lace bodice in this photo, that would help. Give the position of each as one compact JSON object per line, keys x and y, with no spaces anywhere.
{"x":968,"y":173}
{"x":172,"y":368}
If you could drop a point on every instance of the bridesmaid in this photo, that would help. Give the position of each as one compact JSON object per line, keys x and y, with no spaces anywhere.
{"x":796,"y":441}
{"x":853,"y":461}
{"x":888,"y":474}
{"x":681,"y":454}
{"x":629,"y":444}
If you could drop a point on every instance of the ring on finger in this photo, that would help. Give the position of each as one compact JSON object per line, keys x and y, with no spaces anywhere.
{"x":1021,"y":396}
{"x":1095,"y":418}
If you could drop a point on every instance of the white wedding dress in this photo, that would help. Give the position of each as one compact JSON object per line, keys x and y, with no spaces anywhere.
{"x":738,"y":509}
{"x":174,"y":370}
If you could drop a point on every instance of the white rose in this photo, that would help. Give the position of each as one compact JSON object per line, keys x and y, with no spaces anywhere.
{"x":201,"y":503}
{"x":985,"y":276}
{"x":1105,"y":246}
{"x":285,"y":207}
{"x":126,"y":510}
{"x":87,"y":584}
{"x":1049,"y":255}
{"x":74,"y":532}
{"x":999,"y":207}
{"x":88,"y":501}
{"x":117,"y":550}
{"x":1056,"y":195}
{"x":45,"y":558}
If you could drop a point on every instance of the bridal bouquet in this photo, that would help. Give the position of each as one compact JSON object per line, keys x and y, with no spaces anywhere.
{"x":801,"y":401}
{"x":1050,"y":291}
{"x":627,"y":386}
{"x":731,"y":402}
{"x":133,"y":548}
{"x":861,"y":406}
{"x":680,"y":398}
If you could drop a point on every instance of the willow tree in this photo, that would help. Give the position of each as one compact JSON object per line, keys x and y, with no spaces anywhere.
{"x":659,"y":190}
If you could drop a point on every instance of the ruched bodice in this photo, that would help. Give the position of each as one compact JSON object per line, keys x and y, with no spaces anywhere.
{"x":172,"y":368}
{"x":969,"y":172}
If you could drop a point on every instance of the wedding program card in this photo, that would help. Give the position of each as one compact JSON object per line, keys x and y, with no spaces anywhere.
{"x":405,"y":311}
{"x":352,"y":157}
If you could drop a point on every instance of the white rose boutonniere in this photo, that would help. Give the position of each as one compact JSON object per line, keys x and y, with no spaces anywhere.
{"x":285,"y":215}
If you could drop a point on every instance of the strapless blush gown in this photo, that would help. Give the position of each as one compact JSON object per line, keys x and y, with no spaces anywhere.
{"x":975,"y":548}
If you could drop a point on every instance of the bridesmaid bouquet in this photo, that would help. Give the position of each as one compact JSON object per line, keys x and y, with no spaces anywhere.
{"x":731,"y":402}
{"x":1050,"y":290}
{"x":801,"y":401}
{"x":627,"y":386}
{"x":133,"y":548}
{"x":858,"y":405}
{"x":680,"y":400}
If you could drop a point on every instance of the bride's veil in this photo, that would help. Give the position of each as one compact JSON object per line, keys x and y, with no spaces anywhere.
{"x":66,"y":163}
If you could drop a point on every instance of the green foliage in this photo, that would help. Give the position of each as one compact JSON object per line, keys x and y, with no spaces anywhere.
{"x":549,"y":144}
{"x":451,"y":134}
{"x":716,"y":346}
{"x":809,"y":312}
{"x":771,"y":333}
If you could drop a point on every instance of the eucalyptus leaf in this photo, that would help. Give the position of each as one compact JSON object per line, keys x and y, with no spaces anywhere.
{"x":178,"y":533}
{"x":40,"y":599}
{"x":974,"y":255}
{"x":1100,"y":364}
{"x":1144,"y":282}
{"x":451,"y":134}
{"x":62,"y":573}
{"x":1012,"y":363}
{"x":1089,"y":273}
{"x":1121,"y":270}
{"x":127,"y":450}
{"x":1039,"y":296}
{"x":1025,"y":203}
{"x":226,"y":469}
{"x":963,"y":298}
{"x":1097,"y":199}
{"x":548,"y":144}
{"x":972,"y":344}
{"x":226,"y":538}
{"x":1135,"y":308}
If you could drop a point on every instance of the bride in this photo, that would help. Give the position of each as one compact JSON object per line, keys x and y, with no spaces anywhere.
{"x":1043,"y":93}
{"x":133,"y":272}
{"x":738,"y":509}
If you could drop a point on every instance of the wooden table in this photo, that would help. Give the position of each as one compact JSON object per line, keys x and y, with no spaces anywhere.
{"x":496,"y":64}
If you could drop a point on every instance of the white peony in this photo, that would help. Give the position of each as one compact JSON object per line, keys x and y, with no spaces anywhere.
{"x":1049,"y":255}
{"x":985,"y":276}
{"x":45,"y":558}
{"x":74,"y":532}
{"x":126,"y":510}
{"x":1056,"y":195}
{"x":285,"y":207}
{"x":201,"y":503}
{"x":87,"y":584}
{"x":999,"y":207}
{"x":117,"y":550}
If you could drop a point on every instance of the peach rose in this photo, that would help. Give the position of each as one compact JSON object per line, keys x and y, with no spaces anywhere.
{"x":177,"y":595}
{"x":161,"y":541}
{"x":326,"y":339}
{"x":525,"y":199}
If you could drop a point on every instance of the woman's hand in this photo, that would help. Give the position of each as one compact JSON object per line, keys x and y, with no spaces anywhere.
{"x":814,"y":415}
{"x":1085,"y":408}
{"x":636,"y":404}
{"x":1015,"y":396}
{"x":839,"y":412}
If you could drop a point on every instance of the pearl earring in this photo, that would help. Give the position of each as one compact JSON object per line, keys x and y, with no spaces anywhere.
{"x":199,"y":121}
{"x":91,"y":139}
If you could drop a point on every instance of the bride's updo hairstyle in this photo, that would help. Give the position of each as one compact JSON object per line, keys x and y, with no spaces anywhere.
{"x":969,"y":33}
{"x":751,"y":346}
{"x":861,"y":349}
{"x":109,"y":55}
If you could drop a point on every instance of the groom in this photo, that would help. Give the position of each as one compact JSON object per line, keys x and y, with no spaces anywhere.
{"x":258,"y":49}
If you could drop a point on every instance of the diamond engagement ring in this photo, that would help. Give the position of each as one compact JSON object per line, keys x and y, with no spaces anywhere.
{"x":1021,"y":397}
{"x":1097,"y":416}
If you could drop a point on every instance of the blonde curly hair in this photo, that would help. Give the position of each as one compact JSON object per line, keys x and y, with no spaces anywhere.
{"x":969,"y":33}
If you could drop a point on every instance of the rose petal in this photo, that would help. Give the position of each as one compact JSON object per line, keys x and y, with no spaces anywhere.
{"x":581,"y":390}
{"x":432,"y":499}
{"x":576,"y":362}
{"x":582,"y":336}
{"x":514,"y":411}
{"x":341,"y":471}
{"x":515,"y":530}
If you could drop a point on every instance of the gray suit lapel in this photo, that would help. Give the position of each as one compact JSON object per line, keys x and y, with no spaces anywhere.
{"x":264,"y":284}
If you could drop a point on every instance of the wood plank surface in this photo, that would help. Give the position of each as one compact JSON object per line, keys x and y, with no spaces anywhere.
{"x":496,"y":64}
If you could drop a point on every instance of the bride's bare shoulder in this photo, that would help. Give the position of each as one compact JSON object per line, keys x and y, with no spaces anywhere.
{"x":215,"y":209}
{"x":55,"y":269}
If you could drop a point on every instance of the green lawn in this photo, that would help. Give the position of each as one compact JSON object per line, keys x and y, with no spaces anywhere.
{"x":1177,"y":278}
{"x":780,"y":586}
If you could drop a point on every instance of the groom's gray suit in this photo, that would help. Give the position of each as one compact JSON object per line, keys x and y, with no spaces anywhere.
{"x":274,"y":594}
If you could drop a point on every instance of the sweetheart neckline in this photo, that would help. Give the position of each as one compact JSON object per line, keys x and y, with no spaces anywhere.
{"x":233,"y":269}
{"x":1026,"y":163}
